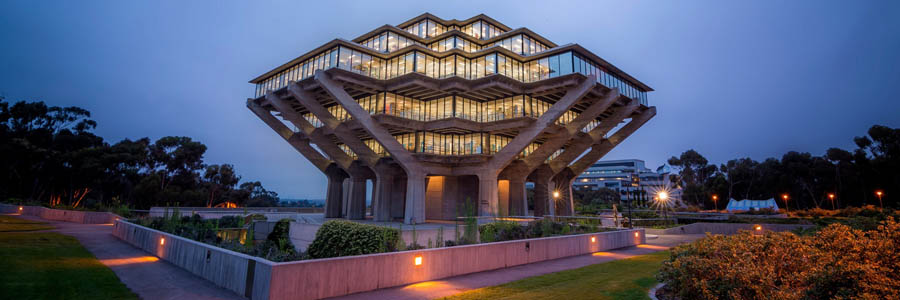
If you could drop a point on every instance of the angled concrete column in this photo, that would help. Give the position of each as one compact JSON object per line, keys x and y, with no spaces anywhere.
{"x":299,"y":140}
{"x":415,"y":198}
{"x":335,"y":193}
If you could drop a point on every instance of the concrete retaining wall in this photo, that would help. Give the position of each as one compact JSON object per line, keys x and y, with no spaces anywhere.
{"x":74,"y":216}
{"x":243,"y":274}
{"x":320,"y":278}
{"x":725,"y":228}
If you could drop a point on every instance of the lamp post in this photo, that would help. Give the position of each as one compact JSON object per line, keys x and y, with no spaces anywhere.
{"x":831,"y":196}
{"x":663,"y":197}
{"x":716,"y":201}
{"x":879,"y":193}
{"x":785,"y":197}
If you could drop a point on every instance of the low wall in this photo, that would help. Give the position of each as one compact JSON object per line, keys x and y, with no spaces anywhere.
{"x":74,"y":216}
{"x":243,"y":274}
{"x":273,"y":213}
{"x":320,"y":278}
{"x":726,"y":228}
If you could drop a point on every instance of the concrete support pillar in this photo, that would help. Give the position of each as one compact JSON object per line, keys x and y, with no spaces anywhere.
{"x":543,"y":192}
{"x":518,"y":199}
{"x":398,"y":197}
{"x":381,"y":200}
{"x":566,"y":200}
{"x":415,"y":198}
{"x":488,"y":202}
{"x":356,"y":198}
{"x":335,"y":193}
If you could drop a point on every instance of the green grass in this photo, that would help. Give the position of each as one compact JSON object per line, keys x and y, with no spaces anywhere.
{"x":621,"y":279}
{"x":47,"y":265}
{"x":12,"y":224}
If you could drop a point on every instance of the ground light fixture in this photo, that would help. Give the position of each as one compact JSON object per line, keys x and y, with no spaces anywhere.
{"x":637,"y":234}
{"x":593,"y":239}
{"x":20,"y":208}
{"x":418,"y":260}
{"x":758,"y":227}
{"x":162,"y":241}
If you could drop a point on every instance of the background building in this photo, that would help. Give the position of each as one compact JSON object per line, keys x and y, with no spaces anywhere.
{"x":630,"y":177}
{"x":439,"y":114}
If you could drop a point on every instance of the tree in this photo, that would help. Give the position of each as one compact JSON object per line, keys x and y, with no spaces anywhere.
{"x":219,"y":179}
{"x":694,"y":172}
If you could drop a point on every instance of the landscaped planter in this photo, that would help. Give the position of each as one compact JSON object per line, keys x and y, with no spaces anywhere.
{"x":258,"y":278}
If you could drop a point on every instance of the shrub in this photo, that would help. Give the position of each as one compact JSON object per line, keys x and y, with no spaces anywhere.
{"x":837,"y":262}
{"x":342,"y":238}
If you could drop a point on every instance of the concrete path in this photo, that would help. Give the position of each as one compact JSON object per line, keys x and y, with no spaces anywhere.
{"x":454,"y":285}
{"x":144,"y":274}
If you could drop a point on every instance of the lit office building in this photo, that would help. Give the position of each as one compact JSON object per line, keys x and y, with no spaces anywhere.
{"x":437,"y":112}
{"x":630,"y":178}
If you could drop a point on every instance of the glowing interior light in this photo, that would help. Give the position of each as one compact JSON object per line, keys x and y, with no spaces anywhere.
{"x":593,"y":239}
{"x":758,"y":227}
{"x":162,"y":241}
{"x":20,"y":208}
{"x":418,"y":260}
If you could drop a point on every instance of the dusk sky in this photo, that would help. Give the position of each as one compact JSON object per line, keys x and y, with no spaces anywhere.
{"x":750,"y":79}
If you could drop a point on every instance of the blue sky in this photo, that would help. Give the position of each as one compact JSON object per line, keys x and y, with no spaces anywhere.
{"x":733,"y":79}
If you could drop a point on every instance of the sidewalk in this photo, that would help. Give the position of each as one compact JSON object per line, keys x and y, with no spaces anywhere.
{"x":454,"y":285}
{"x":145,"y":275}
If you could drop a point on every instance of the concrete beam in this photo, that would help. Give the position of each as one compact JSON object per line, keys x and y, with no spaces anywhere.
{"x":298,"y":140}
{"x":527,"y":135}
{"x":578,"y":147}
{"x":325,"y":144}
{"x":344,"y":134}
{"x":558,"y":140}
{"x":599,"y":150}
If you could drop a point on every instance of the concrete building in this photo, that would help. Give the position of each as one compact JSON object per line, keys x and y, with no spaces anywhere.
{"x":630,"y":177}
{"x":437,"y":112}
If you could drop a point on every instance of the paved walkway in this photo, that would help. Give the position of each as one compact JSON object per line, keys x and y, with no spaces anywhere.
{"x":454,"y":285}
{"x":144,"y":274}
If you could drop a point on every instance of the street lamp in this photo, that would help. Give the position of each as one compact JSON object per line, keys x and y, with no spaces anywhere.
{"x":555,"y":194}
{"x":663,"y":197}
{"x":879,"y":193}
{"x":716,"y":201}
{"x":831,"y":196}
{"x":785,"y":197}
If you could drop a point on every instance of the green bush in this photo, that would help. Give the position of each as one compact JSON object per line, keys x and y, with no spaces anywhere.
{"x":343,"y":238}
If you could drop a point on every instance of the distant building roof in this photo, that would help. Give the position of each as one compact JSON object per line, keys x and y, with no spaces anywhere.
{"x":738,"y":205}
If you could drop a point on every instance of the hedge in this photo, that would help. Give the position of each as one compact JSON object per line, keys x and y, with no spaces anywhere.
{"x":342,"y":238}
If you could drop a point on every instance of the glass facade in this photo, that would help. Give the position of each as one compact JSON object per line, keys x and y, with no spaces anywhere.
{"x":522,"y":44}
{"x":389,"y":42}
{"x":446,"y":144}
{"x":452,"y":65}
{"x":482,"y":30}
{"x":426,"y":28}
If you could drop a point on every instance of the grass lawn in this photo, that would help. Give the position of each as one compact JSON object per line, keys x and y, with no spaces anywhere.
{"x":12,"y":224}
{"x":621,"y":279}
{"x":47,"y":265}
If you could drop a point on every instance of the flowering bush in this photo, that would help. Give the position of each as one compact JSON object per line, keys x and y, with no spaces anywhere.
{"x":837,"y":262}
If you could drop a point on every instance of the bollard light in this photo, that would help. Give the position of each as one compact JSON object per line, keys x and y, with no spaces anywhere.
{"x":418,"y":260}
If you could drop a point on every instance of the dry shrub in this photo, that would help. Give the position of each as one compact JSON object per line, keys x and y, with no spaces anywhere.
{"x":837,"y":263}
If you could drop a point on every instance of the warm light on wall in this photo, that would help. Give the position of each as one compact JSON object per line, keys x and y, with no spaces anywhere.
{"x":418,"y":260}
{"x":20,"y":208}
{"x":593,"y":239}
{"x":162,"y":241}
{"x":758,"y":227}
{"x":637,"y":234}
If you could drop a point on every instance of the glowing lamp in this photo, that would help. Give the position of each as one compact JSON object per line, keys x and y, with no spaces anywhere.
{"x":878,"y":193}
{"x":758,"y":227}
{"x":663,"y":196}
{"x":20,"y":208}
{"x":162,"y":241}
{"x":593,"y":239}
{"x":418,"y":260}
{"x":637,"y":234}
{"x":785,"y":197}
{"x":555,"y":194}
